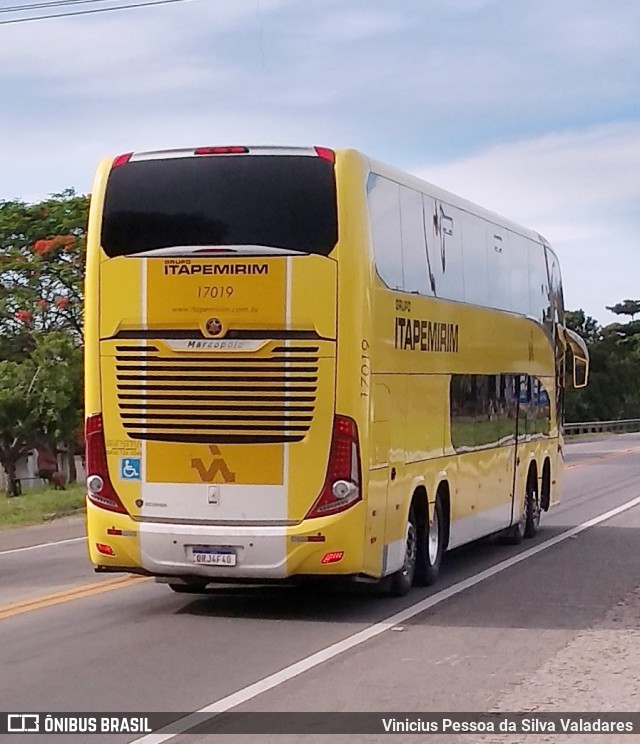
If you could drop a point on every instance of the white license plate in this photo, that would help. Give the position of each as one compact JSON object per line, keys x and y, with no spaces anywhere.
{"x":213,"y":557}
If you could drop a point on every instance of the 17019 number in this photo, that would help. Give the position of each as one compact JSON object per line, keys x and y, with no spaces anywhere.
{"x":213,"y":292}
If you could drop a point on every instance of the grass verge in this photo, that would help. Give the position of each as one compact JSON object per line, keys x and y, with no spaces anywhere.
{"x":40,"y":505}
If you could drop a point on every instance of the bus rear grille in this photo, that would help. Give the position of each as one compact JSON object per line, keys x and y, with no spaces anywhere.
{"x":205,"y":399}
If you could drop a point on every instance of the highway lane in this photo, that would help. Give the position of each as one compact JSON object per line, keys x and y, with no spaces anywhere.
{"x":143,"y":648}
{"x":43,"y":559}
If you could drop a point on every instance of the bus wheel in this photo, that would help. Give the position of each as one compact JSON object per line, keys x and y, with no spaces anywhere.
{"x":430,"y":548}
{"x":402,"y":580}
{"x":532,"y":512}
{"x":195,"y":587}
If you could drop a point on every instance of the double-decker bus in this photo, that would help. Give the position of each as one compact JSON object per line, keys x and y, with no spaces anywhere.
{"x":301,"y":362}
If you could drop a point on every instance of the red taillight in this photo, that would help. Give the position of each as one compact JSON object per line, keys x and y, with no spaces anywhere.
{"x":105,"y":549}
{"x":326,"y":154}
{"x":121,"y":159}
{"x":341,"y":487}
{"x":100,"y":491}
{"x":231,"y":150}
{"x":333,"y":557}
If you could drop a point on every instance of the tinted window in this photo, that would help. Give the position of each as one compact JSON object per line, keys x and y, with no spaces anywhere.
{"x":270,"y":200}
{"x":384,"y":208}
{"x":445,"y":238}
{"x":519,"y":274}
{"x":414,"y":249}
{"x":535,"y":413}
{"x":476,"y":279}
{"x":538,"y":284}
{"x":499,"y":266}
{"x":484,"y":410}
{"x":556,"y":301}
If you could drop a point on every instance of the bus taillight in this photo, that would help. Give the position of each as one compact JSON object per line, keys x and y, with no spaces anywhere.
{"x":341,"y":487}
{"x":227,"y":150}
{"x":325,"y":153}
{"x":100,"y":491}
{"x":121,"y":160}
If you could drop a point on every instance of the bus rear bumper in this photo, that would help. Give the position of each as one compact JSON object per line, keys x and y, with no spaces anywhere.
{"x":319,"y":547}
{"x":181,"y":550}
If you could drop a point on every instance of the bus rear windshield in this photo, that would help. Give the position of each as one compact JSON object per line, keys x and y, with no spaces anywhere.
{"x":280,"y":201}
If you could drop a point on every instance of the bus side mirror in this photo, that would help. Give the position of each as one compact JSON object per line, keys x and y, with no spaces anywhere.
{"x":580,"y":372}
{"x":580,"y":355}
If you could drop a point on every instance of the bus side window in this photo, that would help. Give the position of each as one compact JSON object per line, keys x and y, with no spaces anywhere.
{"x":384,"y":213}
{"x":414,"y":252}
{"x":445,"y":239}
{"x":476,"y":277}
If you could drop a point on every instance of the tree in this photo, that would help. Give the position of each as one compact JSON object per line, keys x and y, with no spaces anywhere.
{"x":58,"y":393}
{"x":18,"y":417}
{"x":40,"y":400}
{"x":585,"y":325}
{"x":42,"y":261}
{"x":614,"y":383}
{"x":626,"y":307}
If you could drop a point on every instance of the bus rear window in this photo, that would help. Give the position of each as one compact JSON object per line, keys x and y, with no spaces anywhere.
{"x":279,"y":201}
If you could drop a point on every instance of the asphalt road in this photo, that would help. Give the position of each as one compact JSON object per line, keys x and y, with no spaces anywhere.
{"x":498,"y":614}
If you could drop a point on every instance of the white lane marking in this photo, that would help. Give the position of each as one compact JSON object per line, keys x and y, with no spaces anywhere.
{"x":42,"y":545}
{"x":288,"y":673}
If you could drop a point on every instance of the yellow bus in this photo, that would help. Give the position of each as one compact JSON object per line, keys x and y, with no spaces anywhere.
{"x":301,"y":363}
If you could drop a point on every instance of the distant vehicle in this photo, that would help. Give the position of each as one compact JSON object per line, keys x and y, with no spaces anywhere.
{"x":301,"y":362}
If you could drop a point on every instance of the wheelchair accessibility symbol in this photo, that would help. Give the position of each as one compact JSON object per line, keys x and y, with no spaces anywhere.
{"x":130,"y":468}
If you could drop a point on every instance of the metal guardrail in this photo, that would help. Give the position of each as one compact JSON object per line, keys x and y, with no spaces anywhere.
{"x":590,"y":427}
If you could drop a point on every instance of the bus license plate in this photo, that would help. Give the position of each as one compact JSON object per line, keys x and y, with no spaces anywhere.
{"x":213,"y":557}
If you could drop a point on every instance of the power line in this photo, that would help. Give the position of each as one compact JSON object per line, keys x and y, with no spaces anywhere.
{"x":50,"y":4}
{"x":88,"y":12}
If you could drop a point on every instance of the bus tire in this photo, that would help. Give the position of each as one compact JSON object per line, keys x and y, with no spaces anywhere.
{"x":532,"y":510}
{"x":430,"y":548}
{"x":402,"y":580}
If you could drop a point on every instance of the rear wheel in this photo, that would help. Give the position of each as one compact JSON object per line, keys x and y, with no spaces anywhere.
{"x":430,"y":548}
{"x":402,"y":580}
{"x":532,"y":512}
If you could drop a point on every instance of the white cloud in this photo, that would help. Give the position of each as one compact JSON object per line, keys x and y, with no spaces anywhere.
{"x":579,"y":189}
{"x":440,"y":86}
{"x":552,"y":173}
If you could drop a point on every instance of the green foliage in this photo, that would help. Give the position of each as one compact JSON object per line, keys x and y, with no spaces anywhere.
{"x":19,"y":423}
{"x":614,"y":382}
{"x":585,"y":325}
{"x":41,"y":505}
{"x":42,"y":263}
{"x":40,"y":398}
{"x":42,"y":260}
{"x":626,"y":307}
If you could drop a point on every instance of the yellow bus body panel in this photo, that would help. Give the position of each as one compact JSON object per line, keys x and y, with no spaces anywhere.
{"x":398,"y":397}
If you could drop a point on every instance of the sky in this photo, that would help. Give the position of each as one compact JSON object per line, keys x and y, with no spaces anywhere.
{"x":530,"y":108}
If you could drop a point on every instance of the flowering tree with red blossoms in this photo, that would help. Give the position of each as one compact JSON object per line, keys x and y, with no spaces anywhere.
{"x":42,"y":260}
